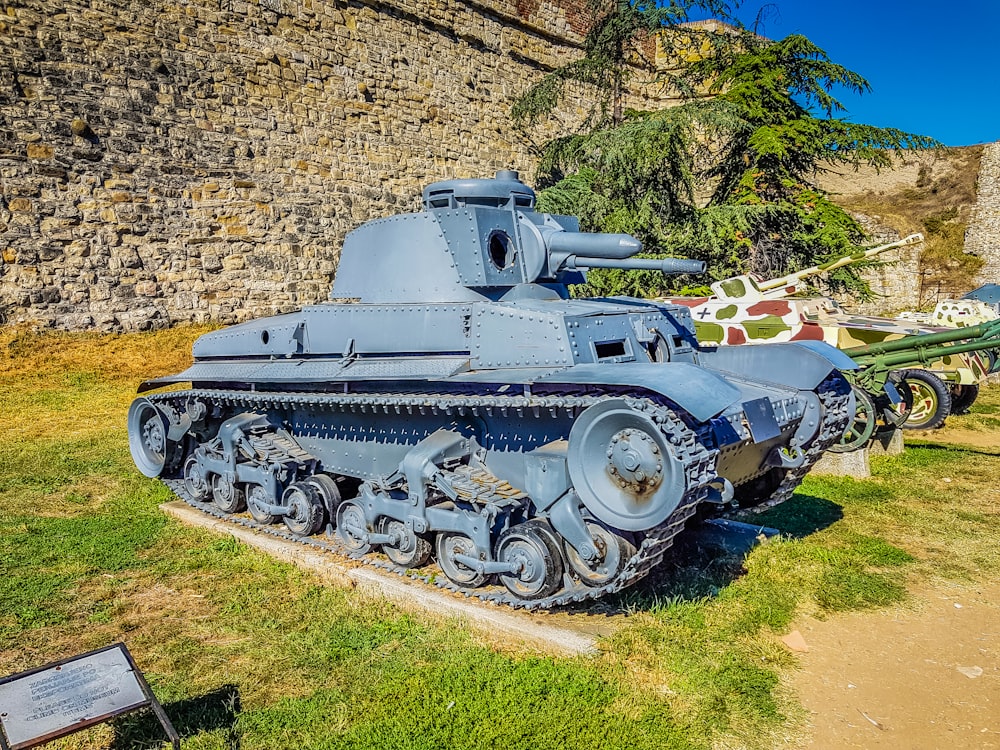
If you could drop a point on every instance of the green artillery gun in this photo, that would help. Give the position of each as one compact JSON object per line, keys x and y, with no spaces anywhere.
{"x":883,"y":368}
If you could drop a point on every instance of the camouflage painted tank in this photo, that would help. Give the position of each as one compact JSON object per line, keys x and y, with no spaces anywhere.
{"x":745,"y":310}
{"x":452,"y":411}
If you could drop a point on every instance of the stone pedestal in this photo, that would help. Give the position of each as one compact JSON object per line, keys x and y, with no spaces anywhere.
{"x":886,"y":444}
{"x":856,"y":464}
{"x":853,"y":464}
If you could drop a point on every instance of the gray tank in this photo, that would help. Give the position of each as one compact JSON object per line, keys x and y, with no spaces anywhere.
{"x":453,"y":411}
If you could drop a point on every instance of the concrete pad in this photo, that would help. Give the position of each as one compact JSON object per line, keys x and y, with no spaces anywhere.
{"x":532,"y":629}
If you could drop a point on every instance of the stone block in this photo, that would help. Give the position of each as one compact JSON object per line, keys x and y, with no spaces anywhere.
{"x":854,"y":464}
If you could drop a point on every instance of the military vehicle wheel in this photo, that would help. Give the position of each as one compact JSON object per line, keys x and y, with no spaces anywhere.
{"x":862,"y":427}
{"x":623,"y":468}
{"x":352,"y":528}
{"x":257,"y":500}
{"x":412,"y":551}
{"x":963,"y":397}
{"x":227,"y":496}
{"x":195,"y":481}
{"x":147,"y":437}
{"x":931,"y":400}
{"x":533,"y":546}
{"x":329,"y":493}
{"x":449,"y":544}
{"x":614,"y":552}
{"x":993,"y":360}
{"x":306,"y":512}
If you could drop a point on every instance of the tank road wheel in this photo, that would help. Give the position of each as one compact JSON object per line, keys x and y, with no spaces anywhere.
{"x":449,"y":544}
{"x":227,"y":496}
{"x":147,"y":437}
{"x":306,"y":512}
{"x":963,"y":397}
{"x":195,"y":481}
{"x":412,"y":551}
{"x":329,"y":493}
{"x":931,"y":400}
{"x":614,"y":553}
{"x":533,"y":546}
{"x":257,"y":499}
{"x":622,"y":467}
{"x":352,"y":528}
{"x":862,"y":427}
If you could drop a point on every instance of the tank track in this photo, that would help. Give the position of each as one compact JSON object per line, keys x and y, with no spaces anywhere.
{"x":698,"y":460}
{"x":834,"y":395}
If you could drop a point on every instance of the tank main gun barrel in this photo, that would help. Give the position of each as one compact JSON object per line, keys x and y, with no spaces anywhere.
{"x":571,"y":251}
{"x":779,"y":284}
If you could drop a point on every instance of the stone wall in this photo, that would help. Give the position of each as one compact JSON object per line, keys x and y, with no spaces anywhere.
{"x":983,"y":235}
{"x":196,"y":159}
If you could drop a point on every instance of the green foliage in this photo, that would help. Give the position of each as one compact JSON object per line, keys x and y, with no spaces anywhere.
{"x":728,"y":179}
{"x":945,"y":268}
{"x":613,"y":54}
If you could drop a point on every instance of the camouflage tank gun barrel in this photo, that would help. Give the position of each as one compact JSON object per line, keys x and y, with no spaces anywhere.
{"x":739,"y":287}
{"x":576,"y":251}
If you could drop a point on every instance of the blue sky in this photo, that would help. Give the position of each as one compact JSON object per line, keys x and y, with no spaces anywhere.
{"x":934,"y":67}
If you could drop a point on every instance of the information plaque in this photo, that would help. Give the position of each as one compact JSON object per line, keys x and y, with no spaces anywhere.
{"x":66,"y":696}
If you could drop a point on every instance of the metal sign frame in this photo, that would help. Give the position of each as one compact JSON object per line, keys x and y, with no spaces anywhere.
{"x":149,"y":701}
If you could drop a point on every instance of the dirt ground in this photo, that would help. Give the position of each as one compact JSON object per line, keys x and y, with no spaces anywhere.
{"x":922,"y":678}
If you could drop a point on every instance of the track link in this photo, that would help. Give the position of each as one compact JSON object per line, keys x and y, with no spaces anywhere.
{"x":697,"y":458}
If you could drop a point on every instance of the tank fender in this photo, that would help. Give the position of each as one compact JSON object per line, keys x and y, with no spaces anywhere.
{"x":797,"y":364}
{"x":700,"y":392}
{"x":278,"y":336}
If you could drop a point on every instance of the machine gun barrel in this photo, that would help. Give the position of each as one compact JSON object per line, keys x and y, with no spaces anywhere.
{"x":578,"y":250}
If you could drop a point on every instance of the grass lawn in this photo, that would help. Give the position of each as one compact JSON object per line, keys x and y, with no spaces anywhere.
{"x":247,"y":652}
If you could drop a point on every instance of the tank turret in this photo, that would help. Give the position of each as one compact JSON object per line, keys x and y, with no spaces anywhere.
{"x":477,"y":239}
{"x":452,"y":411}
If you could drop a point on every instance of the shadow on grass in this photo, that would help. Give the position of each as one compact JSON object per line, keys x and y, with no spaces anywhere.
{"x":801,"y":516}
{"x":944,"y":445}
{"x":214,"y":712}
{"x":704,"y":560}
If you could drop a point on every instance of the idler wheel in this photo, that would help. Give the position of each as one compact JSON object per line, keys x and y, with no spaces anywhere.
{"x":622,"y":467}
{"x":451,"y":543}
{"x":305,"y":509}
{"x":257,"y":499}
{"x":147,"y":437}
{"x":613,"y":553}
{"x":195,"y":481}
{"x":861,"y":428}
{"x":352,"y":528}
{"x":227,"y":496}
{"x":411,"y":551}
{"x":533,"y":547}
